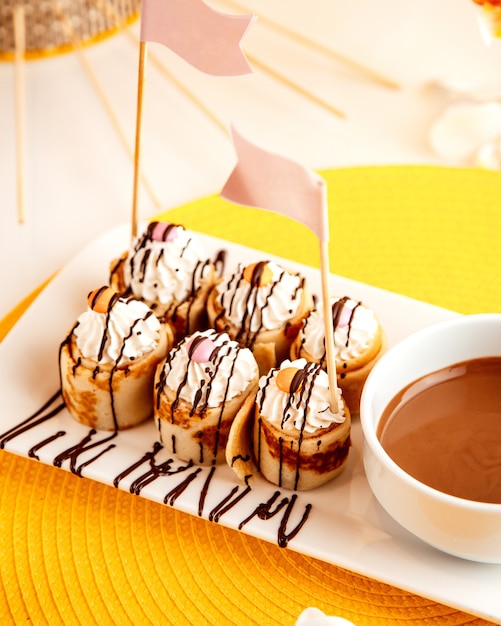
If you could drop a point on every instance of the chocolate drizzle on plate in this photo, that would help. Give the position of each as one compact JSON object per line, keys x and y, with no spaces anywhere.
{"x":147,"y":470}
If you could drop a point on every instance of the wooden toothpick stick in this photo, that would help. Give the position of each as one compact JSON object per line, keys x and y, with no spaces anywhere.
{"x":329,"y":331}
{"x":327,"y":313}
{"x":20,"y":47}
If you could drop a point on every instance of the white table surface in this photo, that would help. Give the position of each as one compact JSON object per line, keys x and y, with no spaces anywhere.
{"x":78,"y":174}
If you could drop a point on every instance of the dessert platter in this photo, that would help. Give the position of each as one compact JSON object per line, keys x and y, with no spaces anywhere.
{"x":339,"y":522}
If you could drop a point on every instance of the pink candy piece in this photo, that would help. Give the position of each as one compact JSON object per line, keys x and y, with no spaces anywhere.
{"x":342,"y":312}
{"x":161,"y":228}
{"x":345,"y":316}
{"x":200,"y":349}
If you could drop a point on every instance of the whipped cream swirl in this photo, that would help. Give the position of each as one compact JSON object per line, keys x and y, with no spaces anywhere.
{"x":305,"y":409}
{"x":224,"y":374}
{"x":168,"y":270}
{"x":260,"y":307}
{"x":355,"y":326}
{"x":125,"y":333}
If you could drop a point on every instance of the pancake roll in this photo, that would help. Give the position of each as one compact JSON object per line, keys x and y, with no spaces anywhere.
{"x":293,"y":437}
{"x":359,"y":341}
{"x":262,"y":306}
{"x":199,"y":389}
{"x":108,"y":361}
{"x":168,"y":269}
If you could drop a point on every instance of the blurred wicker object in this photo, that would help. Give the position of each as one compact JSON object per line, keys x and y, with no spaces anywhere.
{"x":54,"y":26}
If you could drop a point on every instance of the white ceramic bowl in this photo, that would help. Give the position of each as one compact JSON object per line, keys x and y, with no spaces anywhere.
{"x":464,"y":528}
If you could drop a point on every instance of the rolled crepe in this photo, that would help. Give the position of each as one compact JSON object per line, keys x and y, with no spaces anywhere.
{"x":293,"y":437}
{"x":359,"y":341}
{"x":167,"y":269}
{"x":262,"y":306}
{"x":199,"y":389}
{"x":108,"y":361}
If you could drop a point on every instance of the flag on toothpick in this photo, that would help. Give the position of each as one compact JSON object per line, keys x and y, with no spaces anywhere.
{"x":268,"y":181}
{"x":207,"y":39}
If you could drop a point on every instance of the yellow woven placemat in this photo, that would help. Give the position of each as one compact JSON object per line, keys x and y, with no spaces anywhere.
{"x":78,"y":552}
{"x":426,"y":232}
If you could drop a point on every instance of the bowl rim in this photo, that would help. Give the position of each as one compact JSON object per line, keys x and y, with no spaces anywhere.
{"x":370,"y":437}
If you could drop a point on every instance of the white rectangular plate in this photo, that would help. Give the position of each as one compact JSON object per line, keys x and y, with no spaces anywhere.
{"x":345,"y":525}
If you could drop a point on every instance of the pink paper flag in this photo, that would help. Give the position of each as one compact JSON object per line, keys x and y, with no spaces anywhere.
{"x":268,"y":181}
{"x":205,"y":38}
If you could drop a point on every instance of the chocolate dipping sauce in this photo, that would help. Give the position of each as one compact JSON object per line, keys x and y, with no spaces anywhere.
{"x":445,"y":429}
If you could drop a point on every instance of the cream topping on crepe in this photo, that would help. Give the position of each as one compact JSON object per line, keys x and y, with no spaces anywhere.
{"x":263,"y":299}
{"x":208,"y":368}
{"x":296,"y":396}
{"x":355,"y":326}
{"x":165,"y":263}
{"x":127,"y":331}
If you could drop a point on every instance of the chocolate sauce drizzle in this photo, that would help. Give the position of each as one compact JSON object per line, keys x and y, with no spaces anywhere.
{"x":44,"y":414}
{"x":34,"y":420}
{"x":220,"y":262}
{"x":33,"y":452}
{"x":264,"y":512}
{"x":73,"y":452}
{"x":153,"y":470}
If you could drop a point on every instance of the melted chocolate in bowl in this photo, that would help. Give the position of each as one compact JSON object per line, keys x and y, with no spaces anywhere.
{"x":445,"y":429}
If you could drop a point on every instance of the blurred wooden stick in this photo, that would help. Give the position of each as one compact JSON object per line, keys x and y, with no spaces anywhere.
{"x":107,"y":105}
{"x":291,"y":84}
{"x":187,"y":92}
{"x":355,"y":65}
{"x":20,"y":47}
{"x":254,"y":62}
